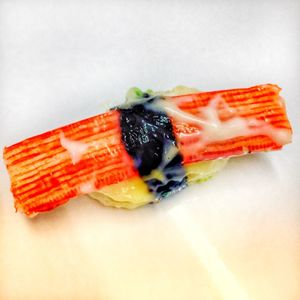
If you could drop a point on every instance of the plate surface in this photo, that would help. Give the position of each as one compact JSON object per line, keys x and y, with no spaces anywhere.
{"x":236,"y":236}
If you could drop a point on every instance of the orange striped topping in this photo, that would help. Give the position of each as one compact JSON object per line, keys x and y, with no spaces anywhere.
{"x":41,"y":169}
{"x":46,"y":170}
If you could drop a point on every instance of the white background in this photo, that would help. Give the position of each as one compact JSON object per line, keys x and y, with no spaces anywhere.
{"x":234,"y":237}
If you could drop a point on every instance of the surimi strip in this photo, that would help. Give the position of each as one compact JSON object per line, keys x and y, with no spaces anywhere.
{"x":43,"y":175}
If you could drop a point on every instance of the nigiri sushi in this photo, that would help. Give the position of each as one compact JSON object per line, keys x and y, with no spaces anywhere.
{"x":146,"y":149}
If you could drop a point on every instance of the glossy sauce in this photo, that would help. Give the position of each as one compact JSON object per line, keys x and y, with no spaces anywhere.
{"x":213,"y":129}
{"x":87,"y":187}
{"x":75,"y":149}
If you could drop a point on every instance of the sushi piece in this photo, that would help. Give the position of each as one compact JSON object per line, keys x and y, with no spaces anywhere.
{"x":134,"y":192}
{"x":149,"y":148}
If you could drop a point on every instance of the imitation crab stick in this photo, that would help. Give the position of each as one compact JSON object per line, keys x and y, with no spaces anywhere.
{"x":123,"y":144}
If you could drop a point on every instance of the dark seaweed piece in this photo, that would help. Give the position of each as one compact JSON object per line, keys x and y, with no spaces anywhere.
{"x":148,"y":135}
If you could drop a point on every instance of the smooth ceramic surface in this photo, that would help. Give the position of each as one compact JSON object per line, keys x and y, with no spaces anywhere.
{"x":236,"y":236}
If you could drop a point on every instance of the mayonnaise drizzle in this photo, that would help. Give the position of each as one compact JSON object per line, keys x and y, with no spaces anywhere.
{"x":87,"y":187}
{"x":75,"y":149}
{"x":213,"y":129}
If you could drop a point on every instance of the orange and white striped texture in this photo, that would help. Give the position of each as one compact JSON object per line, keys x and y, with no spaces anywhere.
{"x":44,"y":176}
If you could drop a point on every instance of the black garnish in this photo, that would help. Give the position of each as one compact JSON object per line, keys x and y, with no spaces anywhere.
{"x":148,"y":136}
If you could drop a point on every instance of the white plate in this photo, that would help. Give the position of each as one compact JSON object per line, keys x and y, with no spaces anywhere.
{"x":236,"y":236}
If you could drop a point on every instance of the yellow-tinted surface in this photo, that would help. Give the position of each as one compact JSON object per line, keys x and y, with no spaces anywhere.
{"x":134,"y":192}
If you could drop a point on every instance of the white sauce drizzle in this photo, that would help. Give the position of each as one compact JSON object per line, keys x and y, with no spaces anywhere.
{"x":213,"y":129}
{"x":87,"y":187}
{"x":75,"y":149}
